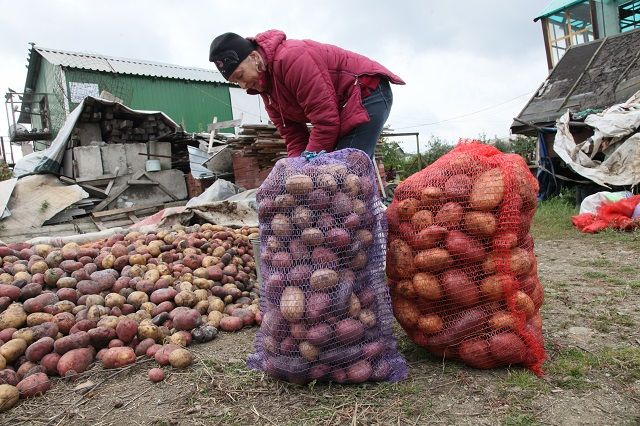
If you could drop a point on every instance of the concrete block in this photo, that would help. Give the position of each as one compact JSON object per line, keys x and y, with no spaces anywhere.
{"x":88,"y":132}
{"x":137,"y":162}
{"x":114,"y":156}
{"x":89,"y":161}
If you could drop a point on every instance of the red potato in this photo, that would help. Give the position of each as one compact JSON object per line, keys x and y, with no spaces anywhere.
{"x":468,"y":324}
{"x":464,"y":248}
{"x":50,"y":363}
{"x":476,"y":353}
{"x":359,"y":372}
{"x":75,"y":361}
{"x":349,"y":331}
{"x":460,"y":289}
{"x":507,"y":348}
{"x":152,"y":350}
{"x":187,"y":320}
{"x":430,"y":324}
{"x":101,"y":336}
{"x":127,"y":329}
{"x":231,"y":324}
{"x":428,"y":237}
{"x":144,"y":346}
{"x":400,"y":263}
{"x":34,"y":385}
{"x":78,"y":340}
{"x":162,"y":355}
{"x":458,"y":187}
{"x":156,"y":375}
{"x":449,"y":216}
{"x":407,"y":208}
{"x":118,"y":357}
{"x":37,"y":350}
{"x":9,"y":377}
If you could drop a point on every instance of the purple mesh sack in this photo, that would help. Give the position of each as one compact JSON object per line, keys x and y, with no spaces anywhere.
{"x":324,"y":299}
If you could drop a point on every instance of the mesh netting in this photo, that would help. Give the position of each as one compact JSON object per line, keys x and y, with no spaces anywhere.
{"x":325,"y":303}
{"x":461,"y":266}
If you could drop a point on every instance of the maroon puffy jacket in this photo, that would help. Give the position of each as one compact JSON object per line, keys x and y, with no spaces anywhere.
{"x":310,"y":82}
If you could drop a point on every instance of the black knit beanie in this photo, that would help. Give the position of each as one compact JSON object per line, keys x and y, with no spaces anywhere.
{"x":228,"y":50}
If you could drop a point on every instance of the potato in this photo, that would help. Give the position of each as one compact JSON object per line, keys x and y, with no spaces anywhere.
{"x":323,"y":279}
{"x":480,"y":224}
{"x":349,"y":331}
{"x":430,"y":324}
{"x":50,"y":363}
{"x":487,"y":191}
{"x":299,"y":184}
{"x":118,"y":357}
{"x":503,"y":320}
{"x":101,"y":336}
{"x":449,"y":216}
{"x":524,"y":304}
{"x":127,"y":329}
{"x":9,"y":396}
{"x":407,"y":208}
{"x":156,"y":375}
{"x":464,"y":248}
{"x":37,"y":350}
{"x":34,"y":385}
{"x":494,"y":287}
{"x":475,"y":353}
{"x":521,"y":261}
{"x":9,"y":377}
{"x":162,"y":355}
{"x":400,"y":260}
{"x":187,"y":320}
{"x":426,"y":286}
{"x":458,"y":187}
{"x":180,"y":338}
{"x":427,"y":238}
{"x":38,"y":318}
{"x":359,"y":372}
{"x":77,"y":340}
{"x":180,"y":358}
{"x":460,"y":289}
{"x":435,"y":259}
{"x":507,"y":348}
{"x":204,"y":333}
{"x":292,"y":303}
{"x":406,"y":312}
{"x":3,"y":362}
{"x":468,"y":323}
{"x":75,"y":361}
{"x":10,"y":291}
{"x":13,"y":317}
{"x":231,"y":324}
{"x":13,"y":349}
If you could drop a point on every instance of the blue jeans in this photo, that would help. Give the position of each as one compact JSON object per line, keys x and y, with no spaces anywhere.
{"x":365,"y":136}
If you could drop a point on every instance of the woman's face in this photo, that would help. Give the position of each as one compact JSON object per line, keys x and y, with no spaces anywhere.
{"x":247,"y":75}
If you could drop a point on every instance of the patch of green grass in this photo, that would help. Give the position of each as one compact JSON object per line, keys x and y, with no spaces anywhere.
{"x":634,"y":284}
{"x":628,"y":269}
{"x":595,"y":275}
{"x":617,"y":281}
{"x":571,"y":367}
{"x":518,"y":418}
{"x":600,"y":262}
{"x":524,"y":380}
{"x":553,"y":219}
{"x":603,"y":322}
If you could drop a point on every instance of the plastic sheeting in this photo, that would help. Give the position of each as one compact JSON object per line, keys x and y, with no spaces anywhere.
{"x":615,"y":134}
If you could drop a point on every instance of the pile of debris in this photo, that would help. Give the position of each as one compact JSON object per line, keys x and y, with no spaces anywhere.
{"x":255,"y":151}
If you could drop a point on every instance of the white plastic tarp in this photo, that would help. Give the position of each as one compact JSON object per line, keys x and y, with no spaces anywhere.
{"x":50,"y":159}
{"x":615,"y":134}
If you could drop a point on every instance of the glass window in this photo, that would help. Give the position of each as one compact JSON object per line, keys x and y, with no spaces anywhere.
{"x":629,"y":16}
{"x":569,"y":27}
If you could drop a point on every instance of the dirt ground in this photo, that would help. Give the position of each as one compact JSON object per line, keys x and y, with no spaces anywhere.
{"x":591,"y":317}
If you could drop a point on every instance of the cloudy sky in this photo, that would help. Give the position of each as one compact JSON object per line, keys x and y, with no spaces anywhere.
{"x":470,"y":66}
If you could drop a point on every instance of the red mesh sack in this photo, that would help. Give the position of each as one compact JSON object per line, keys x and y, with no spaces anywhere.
{"x":615,"y":215}
{"x":460,"y":261}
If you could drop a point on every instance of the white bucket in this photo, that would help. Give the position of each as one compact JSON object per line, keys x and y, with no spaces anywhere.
{"x":153,"y":165}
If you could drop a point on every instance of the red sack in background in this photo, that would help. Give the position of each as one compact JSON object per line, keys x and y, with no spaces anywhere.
{"x":461,"y":267}
{"x":615,"y":215}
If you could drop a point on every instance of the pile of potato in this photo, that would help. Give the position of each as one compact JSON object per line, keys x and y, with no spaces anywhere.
{"x":460,"y":260}
{"x":117,"y":299}
{"x":326,"y":307}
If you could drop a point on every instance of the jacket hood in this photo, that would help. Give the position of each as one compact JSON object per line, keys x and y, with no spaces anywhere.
{"x":269,"y":41}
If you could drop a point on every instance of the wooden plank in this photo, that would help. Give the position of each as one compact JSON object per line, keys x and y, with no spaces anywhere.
{"x":124,"y":210}
{"x":96,"y":179}
{"x":142,"y":182}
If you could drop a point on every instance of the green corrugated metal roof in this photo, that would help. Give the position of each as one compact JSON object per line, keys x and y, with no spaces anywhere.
{"x":556,"y":5}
